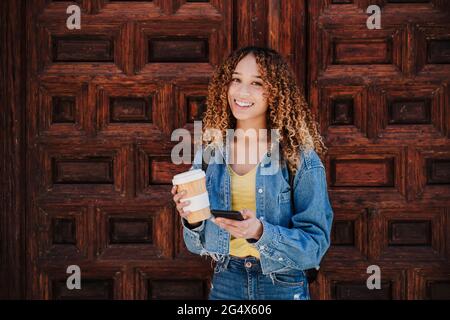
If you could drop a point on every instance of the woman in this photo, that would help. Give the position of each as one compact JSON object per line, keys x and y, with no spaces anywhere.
{"x":287,"y":212}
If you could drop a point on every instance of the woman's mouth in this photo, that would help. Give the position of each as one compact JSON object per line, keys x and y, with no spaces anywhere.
{"x":243,"y":104}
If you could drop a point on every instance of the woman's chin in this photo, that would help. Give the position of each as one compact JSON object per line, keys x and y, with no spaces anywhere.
{"x":241,"y":114}
{"x":241,"y":117}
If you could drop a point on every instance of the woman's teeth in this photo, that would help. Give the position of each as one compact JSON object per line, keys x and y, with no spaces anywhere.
{"x":243,"y":104}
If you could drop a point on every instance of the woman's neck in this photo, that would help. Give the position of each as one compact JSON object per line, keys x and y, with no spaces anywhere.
{"x":247,"y":147}
{"x":254,"y":124}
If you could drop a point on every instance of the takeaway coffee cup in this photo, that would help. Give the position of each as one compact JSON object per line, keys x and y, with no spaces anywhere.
{"x":194,"y":183}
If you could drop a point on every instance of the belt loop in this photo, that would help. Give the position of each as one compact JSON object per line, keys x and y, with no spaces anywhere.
{"x":222,"y":263}
{"x":226,"y":261}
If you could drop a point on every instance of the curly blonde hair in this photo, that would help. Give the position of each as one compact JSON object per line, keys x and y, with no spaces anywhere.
{"x":287,"y":111}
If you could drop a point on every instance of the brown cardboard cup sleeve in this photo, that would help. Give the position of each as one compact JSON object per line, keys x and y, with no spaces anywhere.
{"x":194,"y":183}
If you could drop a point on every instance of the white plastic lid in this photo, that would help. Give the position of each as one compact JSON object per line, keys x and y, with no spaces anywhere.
{"x":188,"y":176}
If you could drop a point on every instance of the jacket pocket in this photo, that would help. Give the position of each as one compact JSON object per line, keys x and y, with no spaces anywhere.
{"x":285,"y":196}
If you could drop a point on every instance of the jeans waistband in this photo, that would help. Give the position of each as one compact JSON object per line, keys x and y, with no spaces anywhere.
{"x":248,"y":263}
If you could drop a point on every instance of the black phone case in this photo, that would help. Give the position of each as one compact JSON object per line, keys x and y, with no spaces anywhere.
{"x":233,"y":215}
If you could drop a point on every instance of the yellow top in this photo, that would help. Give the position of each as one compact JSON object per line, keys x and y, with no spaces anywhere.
{"x":243,"y":197}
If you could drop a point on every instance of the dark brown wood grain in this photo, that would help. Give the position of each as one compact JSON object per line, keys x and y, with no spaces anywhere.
{"x":12,"y":143}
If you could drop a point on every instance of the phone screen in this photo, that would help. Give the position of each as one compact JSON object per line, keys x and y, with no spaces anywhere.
{"x":233,"y":215}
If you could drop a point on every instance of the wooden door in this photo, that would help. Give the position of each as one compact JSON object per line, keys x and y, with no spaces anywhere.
{"x":102,"y":103}
{"x":382,"y":96}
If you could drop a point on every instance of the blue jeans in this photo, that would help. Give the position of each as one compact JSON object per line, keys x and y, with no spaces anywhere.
{"x":242,"y":279}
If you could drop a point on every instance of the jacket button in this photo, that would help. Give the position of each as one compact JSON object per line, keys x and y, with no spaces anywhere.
{"x":260,"y":190}
{"x":248,"y":264}
{"x":280,"y":259}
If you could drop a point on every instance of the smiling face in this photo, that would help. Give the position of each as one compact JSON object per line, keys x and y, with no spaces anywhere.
{"x":246,"y":92}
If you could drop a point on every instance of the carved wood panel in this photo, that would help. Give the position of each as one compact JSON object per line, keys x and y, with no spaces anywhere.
{"x":382,"y":97}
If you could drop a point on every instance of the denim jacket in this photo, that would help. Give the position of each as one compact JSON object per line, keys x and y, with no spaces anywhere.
{"x":296,"y":223}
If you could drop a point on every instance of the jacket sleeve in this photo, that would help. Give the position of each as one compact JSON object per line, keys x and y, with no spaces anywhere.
{"x":192,"y":237}
{"x":304,"y":244}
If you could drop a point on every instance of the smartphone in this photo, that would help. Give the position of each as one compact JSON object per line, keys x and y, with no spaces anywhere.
{"x":233,"y":215}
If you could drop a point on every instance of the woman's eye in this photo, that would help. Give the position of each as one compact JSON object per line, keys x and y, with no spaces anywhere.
{"x":258,"y":83}
{"x":234,"y":80}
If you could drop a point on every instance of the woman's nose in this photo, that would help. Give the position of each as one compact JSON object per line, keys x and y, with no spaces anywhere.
{"x":243,"y":90}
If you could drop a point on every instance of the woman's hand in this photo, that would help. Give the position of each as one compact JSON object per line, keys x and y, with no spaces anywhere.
{"x":250,"y":228}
